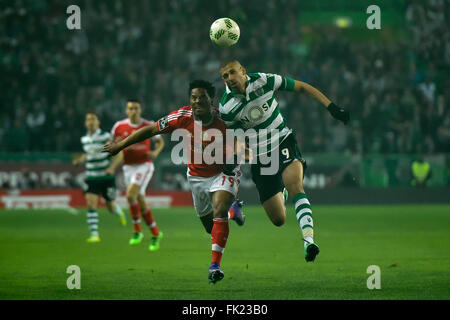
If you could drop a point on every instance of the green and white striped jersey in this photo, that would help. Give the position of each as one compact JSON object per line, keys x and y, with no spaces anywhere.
{"x":96,"y":161}
{"x":257,"y":109}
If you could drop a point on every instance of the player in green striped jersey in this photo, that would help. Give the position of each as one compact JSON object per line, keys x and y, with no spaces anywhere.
{"x":100,"y":179}
{"x":249,"y":103}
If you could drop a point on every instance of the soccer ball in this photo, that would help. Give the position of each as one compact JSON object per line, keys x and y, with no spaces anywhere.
{"x":224,"y":32}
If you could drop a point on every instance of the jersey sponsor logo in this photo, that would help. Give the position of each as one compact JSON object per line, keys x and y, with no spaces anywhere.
{"x":255,"y":113}
{"x":163,"y":123}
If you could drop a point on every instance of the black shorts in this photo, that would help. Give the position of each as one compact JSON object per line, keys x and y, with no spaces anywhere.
{"x":270,"y":185}
{"x":103,"y":187}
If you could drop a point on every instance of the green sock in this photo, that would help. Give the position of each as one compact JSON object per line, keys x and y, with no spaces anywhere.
{"x":304,"y":217}
{"x":92,"y":220}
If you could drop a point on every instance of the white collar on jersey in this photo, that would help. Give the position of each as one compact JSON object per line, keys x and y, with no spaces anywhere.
{"x":134,"y":125}
{"x":95,"y":133}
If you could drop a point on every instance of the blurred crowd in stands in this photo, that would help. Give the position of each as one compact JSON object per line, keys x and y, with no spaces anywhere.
{"x":397,"y":90}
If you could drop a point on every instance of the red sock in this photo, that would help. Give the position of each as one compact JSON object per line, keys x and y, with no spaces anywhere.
{"x":136,"y":216}
{"x":230,"y":214}
{"x":148,"y":217}
{"x":219,"y":236}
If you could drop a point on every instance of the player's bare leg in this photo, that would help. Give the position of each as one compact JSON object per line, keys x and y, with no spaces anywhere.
{"x":132,"y":198}
{"x":92,"y":217}
{"x":222,"y":201}
{"x":275,"y":209}
{"x":293,"y":181}
{"x":147,"y":214}
{"x":114,"y":208}
{"x":142,"y":202}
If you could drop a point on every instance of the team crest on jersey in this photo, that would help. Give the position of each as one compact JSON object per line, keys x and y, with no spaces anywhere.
{"x":259,"y":92}
{"x":163,"y":123}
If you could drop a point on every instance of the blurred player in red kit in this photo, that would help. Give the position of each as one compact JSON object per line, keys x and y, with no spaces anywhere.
{"x":138,"y":169}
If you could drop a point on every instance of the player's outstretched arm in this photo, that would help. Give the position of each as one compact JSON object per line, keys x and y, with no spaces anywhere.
{"x":336,"y":112}
{"x":137,"y":136}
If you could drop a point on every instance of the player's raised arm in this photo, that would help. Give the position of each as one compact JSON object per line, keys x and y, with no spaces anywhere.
{"x":336,"y":112}
{"x":137,"y":136}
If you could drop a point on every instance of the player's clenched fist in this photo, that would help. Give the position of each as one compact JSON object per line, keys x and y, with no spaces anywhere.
{"x":339,"y":113}
{"x":112,"y":148}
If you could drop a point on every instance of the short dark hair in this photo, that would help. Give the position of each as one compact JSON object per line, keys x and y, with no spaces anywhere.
{"x":133,"y":100}
{"x":208,"y":86}
{"x":224,"y":63}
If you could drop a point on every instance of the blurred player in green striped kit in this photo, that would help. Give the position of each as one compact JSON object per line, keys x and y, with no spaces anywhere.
{"x":100,"y":178}
{"x":249,"y":103}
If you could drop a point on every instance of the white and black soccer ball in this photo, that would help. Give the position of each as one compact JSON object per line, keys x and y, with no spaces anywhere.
{"x":224,"y":32}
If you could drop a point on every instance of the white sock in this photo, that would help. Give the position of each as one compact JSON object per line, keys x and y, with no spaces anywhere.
{"x":118,"y":210}
{"x":92,"y":220}
{"x":308,"y":240}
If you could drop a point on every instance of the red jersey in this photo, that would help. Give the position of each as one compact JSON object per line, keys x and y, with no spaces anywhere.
{"x":183,"y":119}
{"x":136,"y":153}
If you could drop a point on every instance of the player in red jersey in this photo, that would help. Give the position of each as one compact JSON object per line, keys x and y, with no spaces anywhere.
{"x":213,"y":191}
{"x":138,"y":170}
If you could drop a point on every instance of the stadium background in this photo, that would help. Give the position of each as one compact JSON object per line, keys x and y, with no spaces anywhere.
{"x":394,"y":82}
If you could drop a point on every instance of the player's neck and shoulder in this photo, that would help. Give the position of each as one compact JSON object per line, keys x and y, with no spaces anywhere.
{"x":185,"y":113}
{"x":91,"y":134}
{"x":259,"y":79}
{"x":142,"y":122}
{"x":180,"y":114}
{"x":97,"y":135}
{"x":128,"y":124}
{"x":186,"y":108}
{"x":255,"y":76}
{"x":120,"y":123}
{"x":215,"y":121}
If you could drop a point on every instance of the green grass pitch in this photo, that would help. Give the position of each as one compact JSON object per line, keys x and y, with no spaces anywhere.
{"x":410,"y":243}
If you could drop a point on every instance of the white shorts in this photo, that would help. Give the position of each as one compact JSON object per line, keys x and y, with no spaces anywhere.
{"x":138,"y":174}
{"x":204,"y":187}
